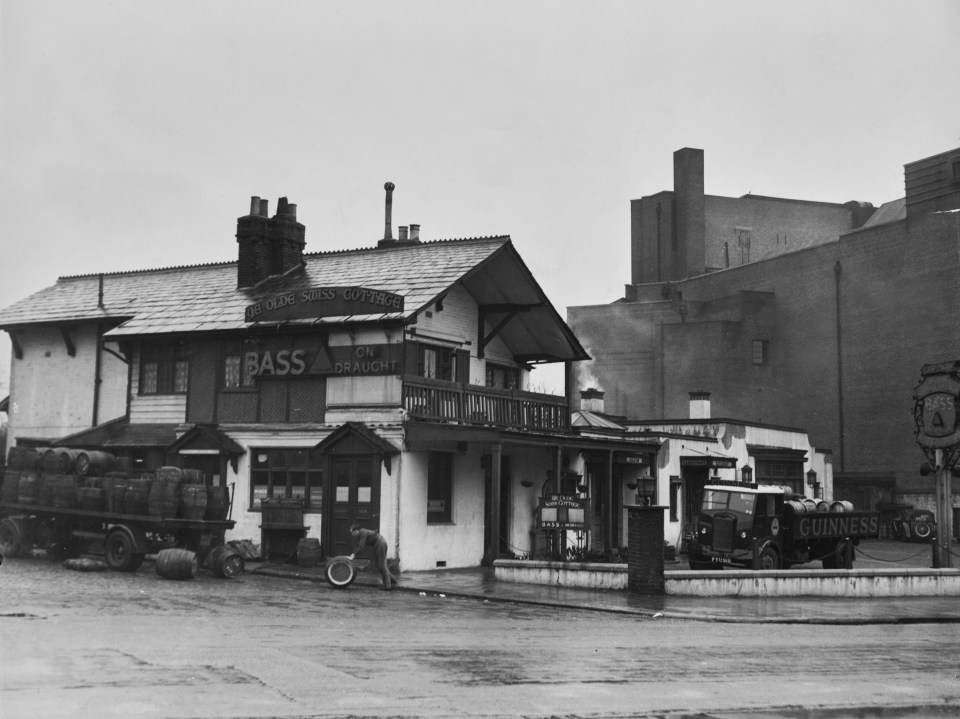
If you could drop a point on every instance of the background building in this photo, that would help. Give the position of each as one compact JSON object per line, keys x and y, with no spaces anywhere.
{"x":805,"y":314}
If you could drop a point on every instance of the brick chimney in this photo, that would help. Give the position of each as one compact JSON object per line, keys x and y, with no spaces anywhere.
{"x":699,"y":405}
{"x":268,"y":246}
{"x":591,"y":400}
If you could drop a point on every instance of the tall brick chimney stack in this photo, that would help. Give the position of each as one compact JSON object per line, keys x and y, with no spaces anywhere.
{"x":690,"y":213}
{"x":388,"y":217}
{"x":268,"y":246}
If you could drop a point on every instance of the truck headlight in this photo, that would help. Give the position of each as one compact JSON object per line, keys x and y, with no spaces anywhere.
{"x":743,"y":535}
{"x":703,"y":530}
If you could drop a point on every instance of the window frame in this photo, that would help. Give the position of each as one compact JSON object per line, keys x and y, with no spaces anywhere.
{"x":284,"y":463}
{"x":170,"y":363}
{"x":440,"y":487}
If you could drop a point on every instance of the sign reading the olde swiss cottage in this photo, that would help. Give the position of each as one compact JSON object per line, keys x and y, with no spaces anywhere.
{"x":323,"y":302}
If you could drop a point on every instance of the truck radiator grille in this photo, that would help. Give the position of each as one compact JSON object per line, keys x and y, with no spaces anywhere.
{"x":724,"y":529}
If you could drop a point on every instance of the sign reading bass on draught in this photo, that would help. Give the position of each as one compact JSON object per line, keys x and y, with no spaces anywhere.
{"x":323,"y":302}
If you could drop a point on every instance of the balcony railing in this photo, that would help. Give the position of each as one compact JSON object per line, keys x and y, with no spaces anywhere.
{"x":472,"y":404}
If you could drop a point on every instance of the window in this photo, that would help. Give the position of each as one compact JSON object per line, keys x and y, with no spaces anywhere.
{"x":503,"y":377}
{"x":286,"y":474}
{"x":436,"y":362}
{"x":674,"y":499}
{"x":236,"y":372}
{"x":439,"y":488}
{"x":760,"y":349}
{"x":164,"y":369}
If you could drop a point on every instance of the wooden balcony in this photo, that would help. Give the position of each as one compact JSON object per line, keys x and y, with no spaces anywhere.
{"x":439,"y":401}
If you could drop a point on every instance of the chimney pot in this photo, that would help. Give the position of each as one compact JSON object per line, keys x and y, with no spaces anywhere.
{"x":403,"y":232}
{"x":254,"y":205}
{"x":591,"y":400}
{"x":292,"y":211}
{"x":699,"y":405}
{"x":388,"y":211}
{"x":264,"y":208}
{"x":415,"y":232}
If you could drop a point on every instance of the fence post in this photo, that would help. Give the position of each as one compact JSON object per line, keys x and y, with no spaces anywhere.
{"x":645,"y":549}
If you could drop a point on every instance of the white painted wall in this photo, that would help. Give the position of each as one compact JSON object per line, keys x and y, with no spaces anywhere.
{"x":52,"y":393}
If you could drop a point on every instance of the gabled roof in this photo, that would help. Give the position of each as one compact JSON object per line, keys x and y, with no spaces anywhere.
{"x":205,"y":298}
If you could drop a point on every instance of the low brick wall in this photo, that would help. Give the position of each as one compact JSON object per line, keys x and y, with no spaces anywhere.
{"x":741,"y":583}
{"x":586,"y":575}
{"x":816,"y":583}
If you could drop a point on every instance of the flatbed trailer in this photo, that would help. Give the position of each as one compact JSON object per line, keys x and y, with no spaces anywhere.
{"x":126,"y":538}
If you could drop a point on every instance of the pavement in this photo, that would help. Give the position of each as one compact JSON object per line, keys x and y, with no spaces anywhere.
{"x":479,"y":584}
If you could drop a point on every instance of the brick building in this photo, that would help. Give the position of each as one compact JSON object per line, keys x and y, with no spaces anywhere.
{"x":805,"y":314}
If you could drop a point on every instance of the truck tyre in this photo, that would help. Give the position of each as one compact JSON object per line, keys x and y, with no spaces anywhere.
{"x":120,"y":551}
{"x":768,"y":559}
{"x":11,"y":537}
{"x":922,"y":531}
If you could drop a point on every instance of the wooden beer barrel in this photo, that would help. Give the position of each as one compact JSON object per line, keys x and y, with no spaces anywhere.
{"x":91,"y":499}
{"x":28,"y":488}
{"x":60,"y":460}
{"x":218,"y":503}
{"x":114,"y":485}
{"x":309,"y":553}
{"x":9,"y":489}
{"x":164,"y":500}
{"x":193,"y":501}
{"x":225,"y":561}
{"x":15,"y":458}
{"x":136,"y":496}
{"x":177,"y":564}
{"x":45,"y":493}
{"x":91,"y":463}
{"x":64,"y":491}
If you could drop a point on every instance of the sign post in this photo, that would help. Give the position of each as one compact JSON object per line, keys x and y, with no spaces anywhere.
{"x":938,"y":434}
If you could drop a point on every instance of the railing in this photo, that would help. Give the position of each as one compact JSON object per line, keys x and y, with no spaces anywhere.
{"x":472,"y":404}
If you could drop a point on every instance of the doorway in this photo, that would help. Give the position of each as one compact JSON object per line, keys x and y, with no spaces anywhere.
{"x":354,"y":496}
{"x":503,"y":543}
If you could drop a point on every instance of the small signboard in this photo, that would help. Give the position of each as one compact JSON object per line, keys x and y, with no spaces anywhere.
{"x":318,"y":302}
{"x":563,"y":511}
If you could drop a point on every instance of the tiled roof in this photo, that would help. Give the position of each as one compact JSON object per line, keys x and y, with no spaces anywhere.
{"x":206,"y":298}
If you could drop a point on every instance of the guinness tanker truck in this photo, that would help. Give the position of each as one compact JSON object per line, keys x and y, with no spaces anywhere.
{"x":768,"y":527}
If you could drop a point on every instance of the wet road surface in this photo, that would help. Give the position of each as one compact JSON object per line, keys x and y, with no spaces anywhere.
{"x":116,"y":645}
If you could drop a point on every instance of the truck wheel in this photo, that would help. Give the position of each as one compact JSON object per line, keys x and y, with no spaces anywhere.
{"x":120,"y":551}
{"x":768,"y":559}
{"x":11,"y":535}
{"x":922,"y":530}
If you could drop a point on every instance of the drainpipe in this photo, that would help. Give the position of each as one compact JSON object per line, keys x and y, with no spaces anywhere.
{"x":836,"y":271}
{"x":97,"y":374}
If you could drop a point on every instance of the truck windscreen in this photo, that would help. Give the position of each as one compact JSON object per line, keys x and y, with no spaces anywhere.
{"x":740,"y":503}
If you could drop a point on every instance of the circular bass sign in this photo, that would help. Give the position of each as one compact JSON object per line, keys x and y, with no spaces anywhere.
{"x":937,"y":399}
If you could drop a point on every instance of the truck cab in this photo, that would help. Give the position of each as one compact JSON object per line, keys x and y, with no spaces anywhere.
{"x":731,"y":518}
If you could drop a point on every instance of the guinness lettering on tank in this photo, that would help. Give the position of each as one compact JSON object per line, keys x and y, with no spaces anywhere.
{"x":323,"y":302}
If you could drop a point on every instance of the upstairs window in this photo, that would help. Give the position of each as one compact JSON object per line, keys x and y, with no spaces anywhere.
{"x":164,"y":370}
{"x":436,"y":362}
{"x":502,"y":377}
{"x":236,"y":372}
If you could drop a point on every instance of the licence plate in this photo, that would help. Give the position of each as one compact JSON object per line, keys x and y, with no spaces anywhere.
{"x":720,"y":560}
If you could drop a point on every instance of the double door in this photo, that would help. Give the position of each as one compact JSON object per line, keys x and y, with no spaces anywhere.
{"x":354,"y":496}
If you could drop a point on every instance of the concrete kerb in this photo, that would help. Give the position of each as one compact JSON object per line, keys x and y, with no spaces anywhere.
{"x":750,"y":610}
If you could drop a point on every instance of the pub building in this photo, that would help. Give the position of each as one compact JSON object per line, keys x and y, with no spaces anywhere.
{"x":388,"y":385}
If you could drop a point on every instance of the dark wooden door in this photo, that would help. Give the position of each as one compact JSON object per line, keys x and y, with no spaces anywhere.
{"x":354,"y":492}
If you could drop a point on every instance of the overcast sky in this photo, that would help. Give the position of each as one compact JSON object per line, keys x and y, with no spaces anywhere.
{"x":132,"y":134}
